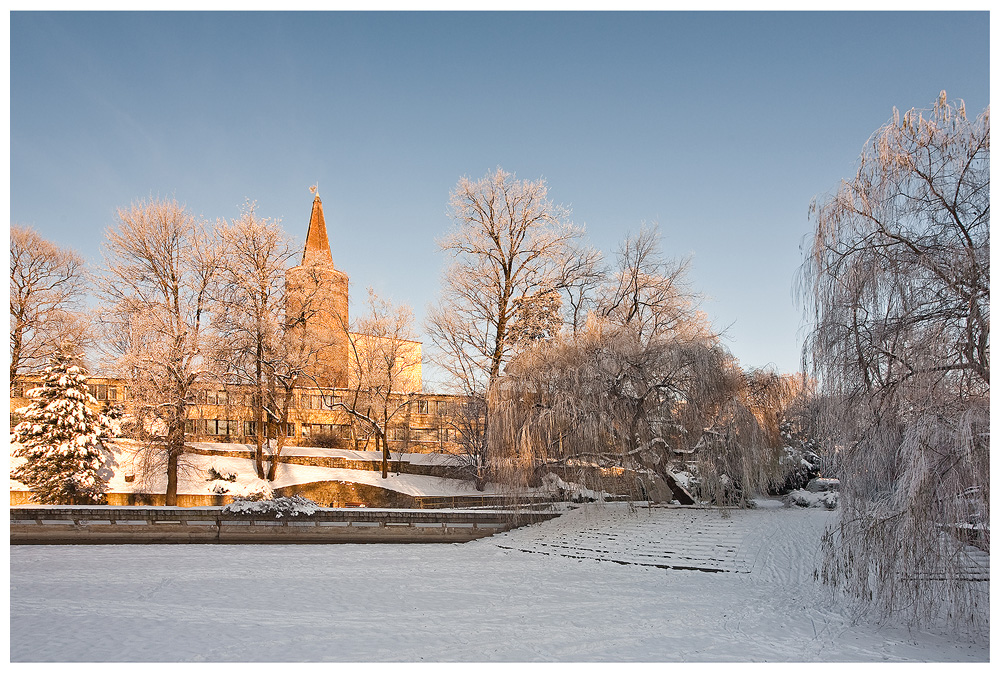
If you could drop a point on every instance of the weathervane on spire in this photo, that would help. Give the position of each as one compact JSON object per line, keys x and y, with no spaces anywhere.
{"x":314,"y":190}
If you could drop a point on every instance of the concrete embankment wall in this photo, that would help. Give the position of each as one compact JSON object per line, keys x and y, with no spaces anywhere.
{"x":166,"y":525}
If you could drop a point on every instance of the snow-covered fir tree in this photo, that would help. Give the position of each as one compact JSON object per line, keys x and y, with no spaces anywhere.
{"x":60,"y":438}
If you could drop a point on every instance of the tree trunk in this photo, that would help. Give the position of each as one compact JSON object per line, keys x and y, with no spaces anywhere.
{"x":385,"y":455}
{"x":175,"y":447}
{"x":16,"y":338}
{"x":258,"y":456}
{"x":172,"y":459}
{"x":260,"y":429}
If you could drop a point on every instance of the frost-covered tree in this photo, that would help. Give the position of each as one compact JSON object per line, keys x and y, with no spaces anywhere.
{"x":898,"y":283}
{"x":383,"y":365}
{"x":536,"y":317}
{"x":60,"y":438}
{"x":254,"y":348}
{"x":609,"y":399}
{"x":508,"y":242}
{"x":47,"y":286}
{"x":649,"y":291}
{"x":159,"y":265}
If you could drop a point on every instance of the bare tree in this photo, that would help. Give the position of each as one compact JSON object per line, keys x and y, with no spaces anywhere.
{"x":509,"y":241}
{"x":581,"y":273}
{"x":645,"y":380}
{"x":466,"y":417}
{"x":159,"y":263}
{"x":253,"y":349}
{"x":384,"y":369}
{"x":47,"y":286}
{"x":898,"y":289}
{"x":649,"y":291}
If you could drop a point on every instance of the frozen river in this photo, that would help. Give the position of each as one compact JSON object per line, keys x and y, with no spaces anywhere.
{"x":601,"y":583}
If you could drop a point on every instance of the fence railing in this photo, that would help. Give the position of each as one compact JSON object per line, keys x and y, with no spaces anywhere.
{"x":164,"y":525}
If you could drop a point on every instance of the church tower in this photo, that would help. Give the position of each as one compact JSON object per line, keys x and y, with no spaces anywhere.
{"x":317,"y":305}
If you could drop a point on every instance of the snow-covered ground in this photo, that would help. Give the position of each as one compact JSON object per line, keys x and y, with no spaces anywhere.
{"x":597,"y":584}
{"x":415,"y":458}
{"x":193,"y":475}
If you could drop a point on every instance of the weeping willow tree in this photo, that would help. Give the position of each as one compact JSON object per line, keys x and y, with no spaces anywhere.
{"x":616,"y":409}
{"x":898,"y":288}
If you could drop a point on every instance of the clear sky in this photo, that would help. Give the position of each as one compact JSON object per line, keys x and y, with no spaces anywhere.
{"x":720,"y":127}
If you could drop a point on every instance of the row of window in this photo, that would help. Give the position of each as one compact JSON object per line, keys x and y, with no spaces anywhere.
{"x":314,"y":401}
{"x":111,"y":393}
{"x":217,"y":397}
{"x":102,"y":392}
{"x":316,"y":429}
{"x":228,"y":427}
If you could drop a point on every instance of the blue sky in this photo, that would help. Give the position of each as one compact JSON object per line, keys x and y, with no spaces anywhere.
{"x":720,"y":127}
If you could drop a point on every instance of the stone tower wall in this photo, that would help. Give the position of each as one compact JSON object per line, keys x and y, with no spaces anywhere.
{"x":317,"y":294}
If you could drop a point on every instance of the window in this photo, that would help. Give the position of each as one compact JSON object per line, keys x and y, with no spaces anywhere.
{"x":422,"y":407}
{"x":424,"y":434}
{"x":314,"y":429}
{"x":221,"y":427}
{"x":314,"y":401}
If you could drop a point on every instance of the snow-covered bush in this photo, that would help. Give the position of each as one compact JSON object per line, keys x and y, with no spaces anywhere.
{"x":60,"y":439}
{"x":221,"y":482}
{"x":294,"y":505}
{"x":255,"y":490}
{"x":114,"y":421}
{"x":803,"y":498}
{"x":571,"y":491}
{"x":799,"y":460}
{"x":215,"y":475}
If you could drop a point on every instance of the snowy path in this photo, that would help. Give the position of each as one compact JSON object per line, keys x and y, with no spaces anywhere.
{"x":534,"y":594}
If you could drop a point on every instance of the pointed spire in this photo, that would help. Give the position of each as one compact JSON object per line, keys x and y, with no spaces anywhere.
{"x":317,"y":249}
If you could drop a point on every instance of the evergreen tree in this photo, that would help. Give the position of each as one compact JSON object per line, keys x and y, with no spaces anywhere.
{"x":60,"y":438}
